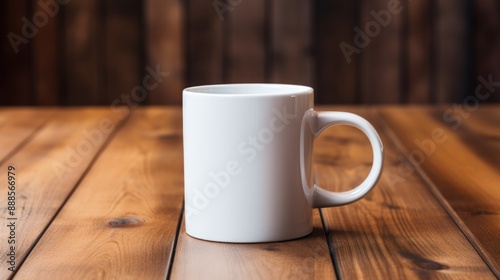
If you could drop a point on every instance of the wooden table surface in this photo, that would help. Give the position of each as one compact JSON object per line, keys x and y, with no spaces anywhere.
{"x":99,"y":195}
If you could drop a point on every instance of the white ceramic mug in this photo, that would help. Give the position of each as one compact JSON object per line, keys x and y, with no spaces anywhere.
{"x":248,"y":161}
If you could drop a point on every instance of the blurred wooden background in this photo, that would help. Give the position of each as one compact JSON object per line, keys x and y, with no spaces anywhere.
{"x":83,"y":52}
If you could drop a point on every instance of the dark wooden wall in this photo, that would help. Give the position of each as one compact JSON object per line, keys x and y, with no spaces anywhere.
{"x":84,"y":52}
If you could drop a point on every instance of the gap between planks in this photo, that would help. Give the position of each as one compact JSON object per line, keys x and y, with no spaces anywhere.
{"x":84,"y":173}
{"x":174,"y":243}
{"x":86,"y":252}
{"x":22,"y":144}
{"x":435,"y":192}
{"x":331,"y":248}
{"x":26,"y":140}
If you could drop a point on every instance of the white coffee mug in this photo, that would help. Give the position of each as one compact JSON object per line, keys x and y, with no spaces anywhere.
{"x":248,"y":161}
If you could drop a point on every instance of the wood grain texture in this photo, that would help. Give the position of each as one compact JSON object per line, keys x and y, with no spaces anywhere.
{"x":205,"y":44}
{"x":16,"y":65}
{"x":451,"y":35}
{"x":48,"y":168}
{"x":17,"y":125}
{"x":164,"y":45}
{"x":291,"y":42}
{"x":90,"y":52}
{"x":337,"y":75}
{"x":304,"y":258}
{"x":47,"y":55}
{"x":116,"y":211}
{"x":381,"y":73}
{"x":123,"y":51}
{"x":247,"y":47}
{"x":486,"y":36}
{"x":482,"y":127}
{"x":399,"y":230}
{"x":419,"y":52}
{"x":469,"y":180}
{"x":83,"y":63}
{"x":122,"y":219}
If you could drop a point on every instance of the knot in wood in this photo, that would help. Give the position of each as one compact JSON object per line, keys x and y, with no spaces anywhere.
{"x":424,"y":263}
{"x":483,"y":212}
{"x":430,"y":265}
{"x":270,"y":247}
{"x":125,"y":222}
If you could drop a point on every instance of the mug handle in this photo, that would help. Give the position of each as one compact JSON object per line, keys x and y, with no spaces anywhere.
{"x":317,"y":122}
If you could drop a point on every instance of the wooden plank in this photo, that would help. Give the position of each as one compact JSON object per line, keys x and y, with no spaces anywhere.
{"x":17,"y":125}
{"x":291,"y":42}
{"x":486,"y":36}
{"x":481,"y":127}
{"x":16,"y":85}
{"x":47,"y":170}
{"x":337,"y":71}
{"x":304,"y":258}
{"x":419,"y":52}
{"x":135,"y":193}
{"x":381,"y":71}
{"x":451,"y":51}
{"x":83,"y":52}
{"x":465,"y":177}
{"x":122,"y":40}
{"x":246,"y":57}
{"x":47,"y":54}
{"x":165,"y":49}
{"x":399,"y":230}
{"x":205,"y":45}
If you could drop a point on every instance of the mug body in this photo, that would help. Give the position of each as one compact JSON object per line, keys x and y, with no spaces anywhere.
{"x":242,"y":162}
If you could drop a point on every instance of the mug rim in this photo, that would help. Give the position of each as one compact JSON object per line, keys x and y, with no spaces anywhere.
{"x":249,"y":89}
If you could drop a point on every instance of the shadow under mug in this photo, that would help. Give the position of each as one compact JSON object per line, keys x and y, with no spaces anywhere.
{"x":248,"y":161}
